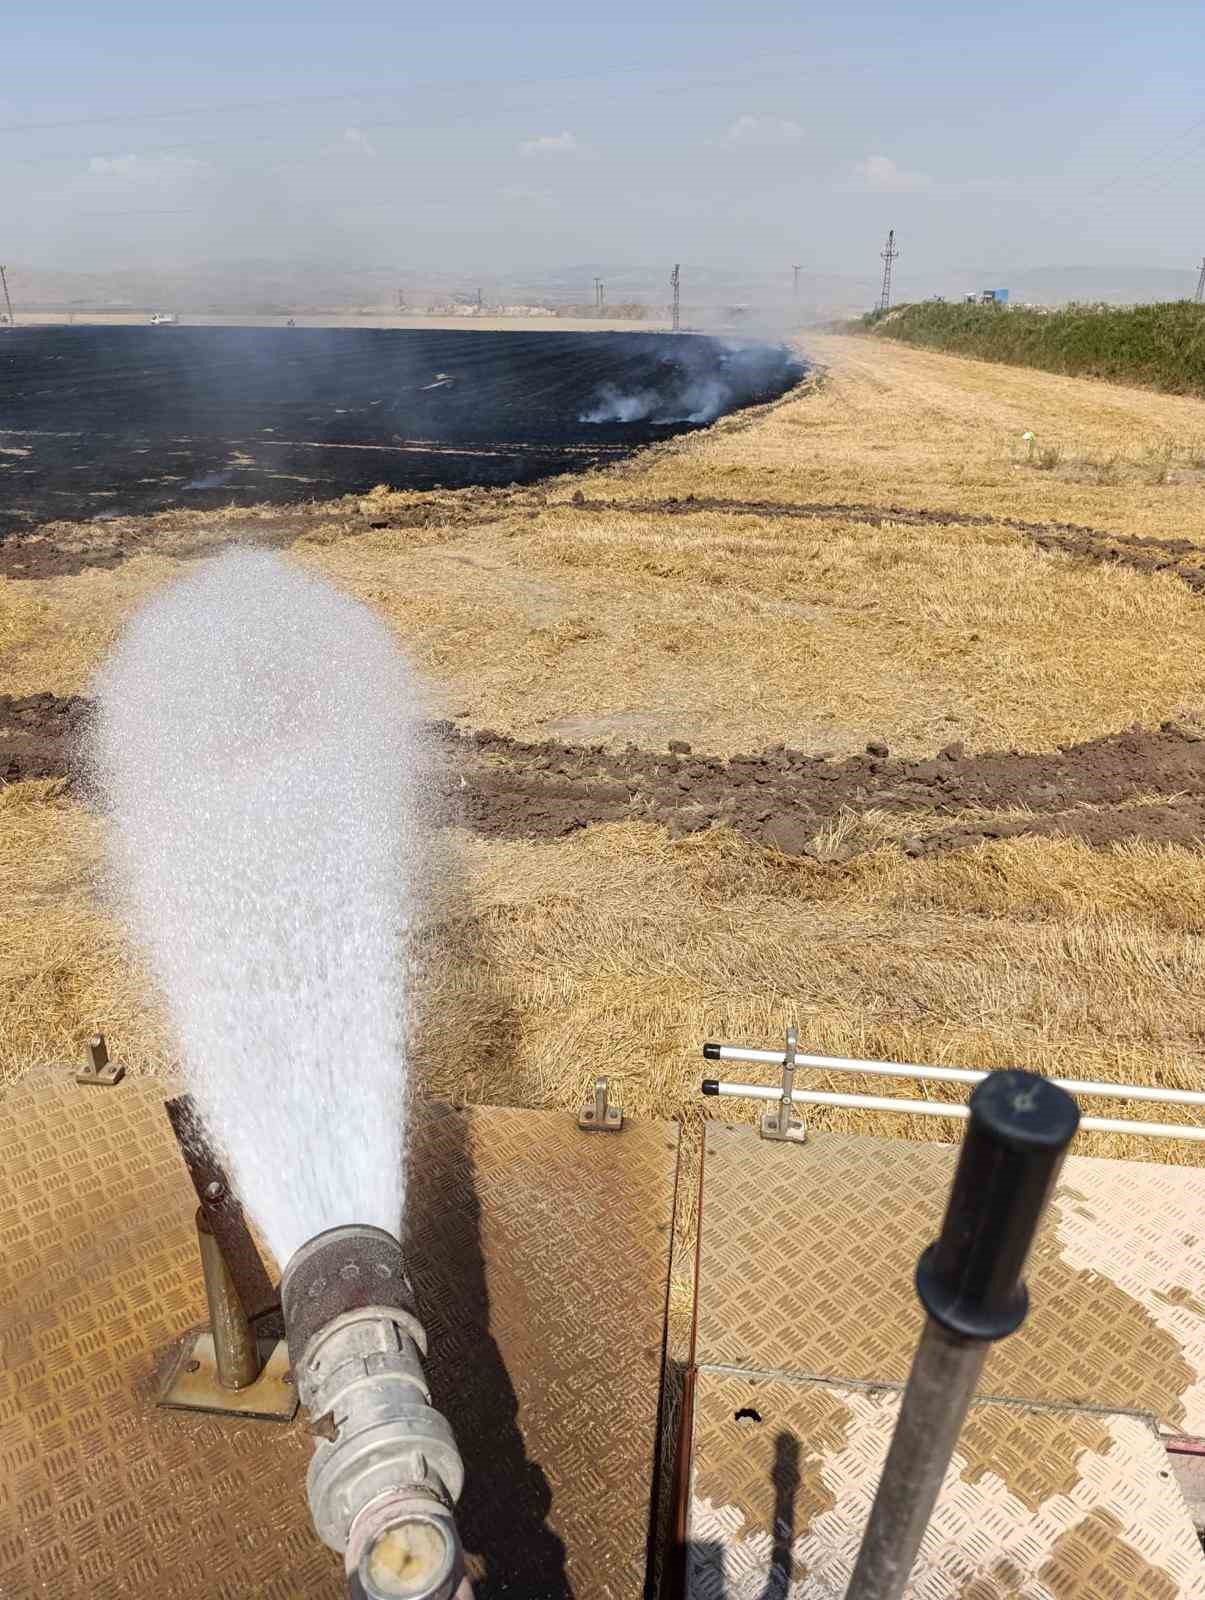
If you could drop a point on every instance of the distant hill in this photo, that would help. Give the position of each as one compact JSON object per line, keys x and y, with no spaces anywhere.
{"x":710,"y":294}
{"x":1112,"y":285}
{"x":269,"y":288}
{"x":1056,"y":286}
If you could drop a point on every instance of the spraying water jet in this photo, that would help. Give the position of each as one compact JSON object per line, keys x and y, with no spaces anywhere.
{"x":270,"y":869}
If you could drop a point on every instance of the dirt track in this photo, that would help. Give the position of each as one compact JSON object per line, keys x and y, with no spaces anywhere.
{"x":1180,"y":557}
{"x":33,"y":555}
{"x":1137,"y":784}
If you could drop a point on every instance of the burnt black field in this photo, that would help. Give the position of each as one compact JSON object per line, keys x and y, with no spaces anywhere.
{"x":103,"y":422}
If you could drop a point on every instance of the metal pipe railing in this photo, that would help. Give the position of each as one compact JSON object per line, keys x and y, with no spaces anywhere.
{"x":791,"y":1059}
{"x":896,"y":1069}
{"x":939,"y":1108}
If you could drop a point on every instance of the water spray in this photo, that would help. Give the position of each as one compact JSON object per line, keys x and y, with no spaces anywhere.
{"x":253,"y":746}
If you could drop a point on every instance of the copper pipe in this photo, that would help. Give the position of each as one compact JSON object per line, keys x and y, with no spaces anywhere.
{"x":235,"y":1347}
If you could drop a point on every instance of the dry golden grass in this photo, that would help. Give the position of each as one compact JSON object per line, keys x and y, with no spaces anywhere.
{"x":724,"y":632}
{"x":902,"y":426}
{"x":619,"y":950}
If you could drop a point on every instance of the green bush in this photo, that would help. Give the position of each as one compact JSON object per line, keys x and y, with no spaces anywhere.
{"x":1161,"y":346}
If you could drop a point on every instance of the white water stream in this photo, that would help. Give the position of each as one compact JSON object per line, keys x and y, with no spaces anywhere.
{"x":254,"y":746}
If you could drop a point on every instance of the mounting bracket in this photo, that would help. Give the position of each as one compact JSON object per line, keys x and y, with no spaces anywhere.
{"x":599,"y":1115}
{"x":97,"y":1067}
{"x":784,"y":1124}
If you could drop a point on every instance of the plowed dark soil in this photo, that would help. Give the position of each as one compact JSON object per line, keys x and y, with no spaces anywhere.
{"x":38,"y":734}
{"x":37,"y":555}
{"x":507,"y":788}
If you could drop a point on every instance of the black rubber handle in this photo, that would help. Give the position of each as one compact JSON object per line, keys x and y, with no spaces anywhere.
{"x":1018,"y":1133}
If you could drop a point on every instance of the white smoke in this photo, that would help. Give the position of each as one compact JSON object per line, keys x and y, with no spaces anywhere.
{"x":704,"y":379}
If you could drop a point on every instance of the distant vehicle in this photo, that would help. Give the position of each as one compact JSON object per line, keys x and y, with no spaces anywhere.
{"x":164,"y":319}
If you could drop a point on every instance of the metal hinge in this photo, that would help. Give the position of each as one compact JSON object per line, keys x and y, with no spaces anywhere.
{"x":783,"y":1123}
{"x":97,"y":1067}
{"x":599,"y":1115}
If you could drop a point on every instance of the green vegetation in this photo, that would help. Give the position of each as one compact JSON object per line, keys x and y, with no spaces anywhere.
{"x":1157,"y":346}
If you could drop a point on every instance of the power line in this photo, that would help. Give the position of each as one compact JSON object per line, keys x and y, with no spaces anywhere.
{"x":1145,"y":161}
{"x":1097,"y":203}
{"x":705,"y":76}
{"x":889,"y":254}
{"x":220,"y":109}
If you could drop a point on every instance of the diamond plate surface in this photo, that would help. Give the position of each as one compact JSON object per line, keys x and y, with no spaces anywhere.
{"x":807,"y":1255}
{"x":540,"y":1257}
{"x":1049,"y":1503}
{"x":546,"y":1305}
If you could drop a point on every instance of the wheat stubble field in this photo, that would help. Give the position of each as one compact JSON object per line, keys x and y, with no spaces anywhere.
{"x":1010,"y":874}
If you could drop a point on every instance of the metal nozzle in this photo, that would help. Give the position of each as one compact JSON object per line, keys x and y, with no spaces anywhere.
{"x":401,"y":1547}
{"x":386,"y":1471}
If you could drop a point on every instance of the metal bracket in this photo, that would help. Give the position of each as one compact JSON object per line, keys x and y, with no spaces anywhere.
{"x":97,"y":1067}
{"x":257,"y":1293}
{"x":784,"y":1124}
{"x":193,"y":1383}
{"x":599,"y":1115}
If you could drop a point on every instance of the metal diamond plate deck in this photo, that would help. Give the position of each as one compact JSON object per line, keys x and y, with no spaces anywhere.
{"x":1047,"y":1503}
{"x":807,"y":1255}
{"x":540,"y":1257}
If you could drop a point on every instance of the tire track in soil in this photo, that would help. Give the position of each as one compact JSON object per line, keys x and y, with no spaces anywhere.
{"x":510,"y":788}
{"x":1143,"y":552}
{"x":31,"y":555}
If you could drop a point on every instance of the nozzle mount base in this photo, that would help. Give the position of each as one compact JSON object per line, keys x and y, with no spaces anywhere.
{"x":193,"y":1383}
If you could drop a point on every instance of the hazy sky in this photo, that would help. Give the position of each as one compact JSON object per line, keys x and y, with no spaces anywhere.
{"x":991,"y":137}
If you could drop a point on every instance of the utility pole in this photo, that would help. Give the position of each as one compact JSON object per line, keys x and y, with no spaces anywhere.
{"x":1200,"y":282}
{"x":401,"y":300}
{"x":600,"y":298}
{"x":675,"y":283}
{"x":796,"y":271}
{"x":9,"y":304}
{"x":889,"y":254}
{"x":479,"y":302}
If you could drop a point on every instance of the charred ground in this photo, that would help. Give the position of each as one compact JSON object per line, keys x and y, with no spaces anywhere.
{"x":100,"y":422}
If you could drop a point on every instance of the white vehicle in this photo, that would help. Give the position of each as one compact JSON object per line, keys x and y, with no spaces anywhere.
{"x":164,"y":319}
